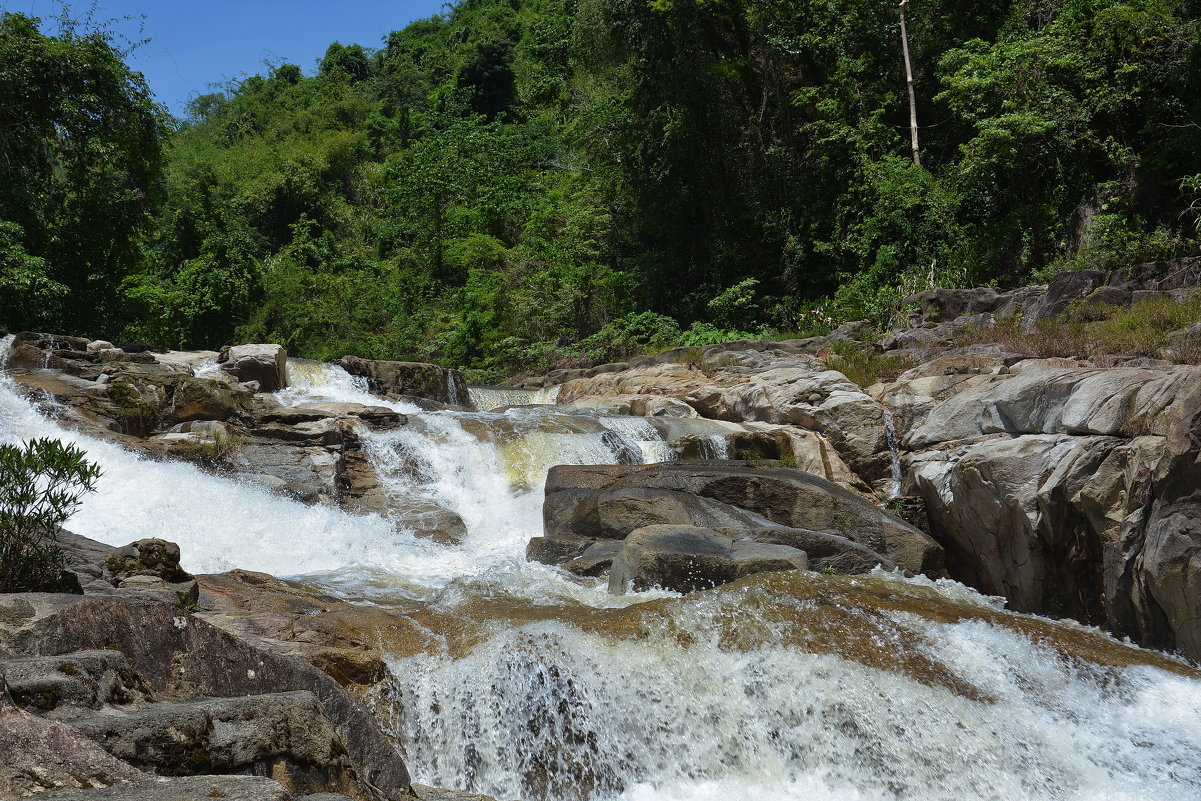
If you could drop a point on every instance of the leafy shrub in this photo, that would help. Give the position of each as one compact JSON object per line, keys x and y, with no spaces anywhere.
{"x":41,"y":485}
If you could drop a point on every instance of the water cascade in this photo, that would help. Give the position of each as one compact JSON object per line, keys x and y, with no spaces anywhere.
{"x":890,"y":436}
{"x":523,"y":683}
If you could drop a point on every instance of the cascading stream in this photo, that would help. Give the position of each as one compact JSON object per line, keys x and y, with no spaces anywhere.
{"x":537,"y":686}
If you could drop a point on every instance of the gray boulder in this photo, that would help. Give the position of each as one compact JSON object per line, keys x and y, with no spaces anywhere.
{"x":610,"y":501}
{"x":283,"y":735}
{"x":259,"y":367}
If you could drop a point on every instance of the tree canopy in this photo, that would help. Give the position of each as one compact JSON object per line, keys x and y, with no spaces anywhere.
{"x":520,"y":183}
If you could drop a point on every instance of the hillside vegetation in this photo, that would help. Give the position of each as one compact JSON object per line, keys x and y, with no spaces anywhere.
{"x":523,"y":183}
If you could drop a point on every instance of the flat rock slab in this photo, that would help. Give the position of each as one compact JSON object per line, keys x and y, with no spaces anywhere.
{"x":182,"y":788}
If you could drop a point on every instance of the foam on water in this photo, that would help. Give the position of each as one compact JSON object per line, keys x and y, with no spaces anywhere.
{"x":550,"y":711}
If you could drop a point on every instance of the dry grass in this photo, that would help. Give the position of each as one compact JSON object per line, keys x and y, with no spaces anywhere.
{"x":862,"y":365}
{"x":1087,"y":331}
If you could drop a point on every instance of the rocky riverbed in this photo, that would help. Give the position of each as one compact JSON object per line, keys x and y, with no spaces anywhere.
{"x":378,"y":560}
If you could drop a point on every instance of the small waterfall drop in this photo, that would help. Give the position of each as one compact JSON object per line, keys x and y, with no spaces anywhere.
{"x":488,"y":399}
{"x":890,"y":437}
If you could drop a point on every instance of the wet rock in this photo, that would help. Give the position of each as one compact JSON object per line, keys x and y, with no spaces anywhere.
{"x":687,"y":558}
{"x":410,"y":380}
{"x":182,"y":657}
{"x":263,"y":366}
{"x":342,"y":639}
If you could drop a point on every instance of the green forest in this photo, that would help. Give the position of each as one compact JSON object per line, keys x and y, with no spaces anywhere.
{"x":524,"y":184}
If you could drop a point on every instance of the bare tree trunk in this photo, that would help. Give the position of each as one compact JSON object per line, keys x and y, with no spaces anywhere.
{"x":917,"y":159}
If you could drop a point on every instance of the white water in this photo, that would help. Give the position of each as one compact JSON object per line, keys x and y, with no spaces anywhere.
{"x":549,"y":709}
{"x":890,"y":436}
{"x":487,"y":399}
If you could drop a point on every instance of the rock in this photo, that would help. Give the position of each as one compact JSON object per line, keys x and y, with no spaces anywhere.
{"x":410,"y":380}
{"x":265,"y":365}
{"x":424,"y":793}
{"x":1039,"y":397}
{"x":181,"y":788}
{"x":283,"y":735}
{"x":943,"y":305}
{"x":74,"y":685}
{"x":1061,"y":292}
{"x":687,"y":558}
{"x":182,"y":657}
{"x":148,"y":557}
{"x":611,"y":501}
{"x":38,"y":755}
{"x":1029,"y":518}
{"x":339,"y":637}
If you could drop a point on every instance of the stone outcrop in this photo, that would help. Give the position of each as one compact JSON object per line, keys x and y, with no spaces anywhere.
{"x":155,"y":403}
{"x":687,"y":558}
{"x":160,"y":651}
{"x":741,"y":505}
{"x":258,"y":368}
{"x":410,"y":380}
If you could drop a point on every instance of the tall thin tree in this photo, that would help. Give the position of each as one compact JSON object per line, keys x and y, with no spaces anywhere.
{"x":917,"y":159}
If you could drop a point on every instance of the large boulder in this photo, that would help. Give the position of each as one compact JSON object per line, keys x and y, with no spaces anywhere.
{"x":589,"y":503}
{"x":410,"y":380}
{"x":260,"y":367}
{"x":1029,"y":518}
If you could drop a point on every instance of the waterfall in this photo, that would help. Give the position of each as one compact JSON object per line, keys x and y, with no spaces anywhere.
{"x":540,"y":686}
{"x":890,"y":437}
{"x":487,"y":399}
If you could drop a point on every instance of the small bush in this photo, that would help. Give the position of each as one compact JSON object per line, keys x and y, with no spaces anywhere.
{"x":41,"y":485}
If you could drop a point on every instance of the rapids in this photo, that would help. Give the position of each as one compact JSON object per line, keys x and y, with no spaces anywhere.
{"x":513,"y":680}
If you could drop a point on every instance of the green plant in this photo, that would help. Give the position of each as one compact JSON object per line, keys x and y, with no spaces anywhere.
{"x":861,"y":365}
{"x":41,"y":485}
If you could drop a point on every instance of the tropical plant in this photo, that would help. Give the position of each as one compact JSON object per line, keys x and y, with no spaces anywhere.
{"x":41,"y":485}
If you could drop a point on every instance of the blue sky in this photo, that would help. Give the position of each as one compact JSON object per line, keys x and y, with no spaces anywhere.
{"x":195,"y":43}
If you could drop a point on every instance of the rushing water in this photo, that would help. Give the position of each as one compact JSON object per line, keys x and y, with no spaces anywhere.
{"x":523,"y":683}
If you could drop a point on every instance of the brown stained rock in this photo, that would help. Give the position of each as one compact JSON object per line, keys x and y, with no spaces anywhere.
{"x":342,"y":639}
{"x":183,"y":657}
{"x":38,"y":754}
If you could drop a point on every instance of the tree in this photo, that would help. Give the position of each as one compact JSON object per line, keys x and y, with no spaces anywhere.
{"x":41,"y":485}
{"x":80,"y":163}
